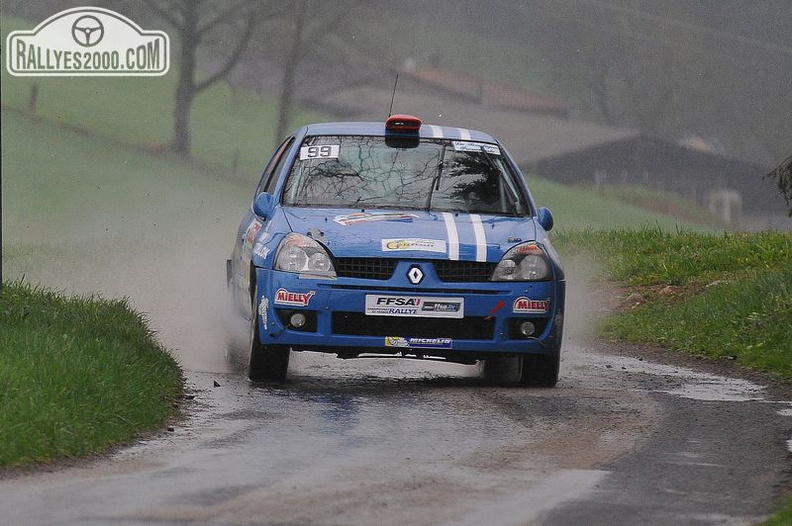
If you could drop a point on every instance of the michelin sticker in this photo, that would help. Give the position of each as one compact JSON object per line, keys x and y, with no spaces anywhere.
{"x":418,"y":343}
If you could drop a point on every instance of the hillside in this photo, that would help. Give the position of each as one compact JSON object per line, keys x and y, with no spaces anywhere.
{"x":86,"y":176}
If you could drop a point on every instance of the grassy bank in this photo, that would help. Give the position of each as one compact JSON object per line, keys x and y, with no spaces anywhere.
{"x":727,"y":295}
{"x":723,"y":296}
{"x":79,"y":375}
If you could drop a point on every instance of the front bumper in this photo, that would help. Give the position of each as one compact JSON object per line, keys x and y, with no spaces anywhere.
{"x":335,"y":316}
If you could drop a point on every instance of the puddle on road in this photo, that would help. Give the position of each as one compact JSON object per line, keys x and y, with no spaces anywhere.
{"x":693,"y":385}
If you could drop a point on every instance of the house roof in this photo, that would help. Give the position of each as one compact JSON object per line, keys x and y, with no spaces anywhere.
{"x":528,"y":137}
{"x":487,"y":93}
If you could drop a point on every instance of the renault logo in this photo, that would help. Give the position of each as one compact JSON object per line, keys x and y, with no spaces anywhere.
{"x":415,"y":275}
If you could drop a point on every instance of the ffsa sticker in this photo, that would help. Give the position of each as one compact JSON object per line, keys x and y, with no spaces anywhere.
{"x":325,"y":151}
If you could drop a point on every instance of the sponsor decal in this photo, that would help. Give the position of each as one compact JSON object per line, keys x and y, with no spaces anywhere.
{"x":263,"y":306}
{"x":250,"y":234}
{"x":294,"y":299}
{"x":260,"y":250}
{"x":88,"y":41}
{"x":425,"y":245}
{"x":252,"y":230}
{"x":368,"y":217}
{"x":523,"y":305}
{"x":325,"y":151}
{"x":415,"y":306}
{"x":418,"y":343}
{"x":467,"y":146}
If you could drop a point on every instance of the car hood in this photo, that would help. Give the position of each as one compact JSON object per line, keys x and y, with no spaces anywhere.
{"x":412,"y":233}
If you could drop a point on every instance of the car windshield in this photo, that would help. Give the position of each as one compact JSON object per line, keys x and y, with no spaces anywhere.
{"x":426,"y":174}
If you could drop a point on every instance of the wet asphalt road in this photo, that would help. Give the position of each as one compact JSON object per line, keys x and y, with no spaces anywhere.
{"x":621,"y":440}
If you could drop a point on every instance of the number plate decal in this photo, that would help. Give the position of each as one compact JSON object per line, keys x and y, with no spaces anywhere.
{"x":326,"y":151}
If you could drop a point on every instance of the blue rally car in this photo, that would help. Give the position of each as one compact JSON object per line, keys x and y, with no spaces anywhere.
{"x":399,"y":239}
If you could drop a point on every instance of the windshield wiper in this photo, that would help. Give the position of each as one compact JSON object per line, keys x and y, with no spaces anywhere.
{"x":510,"y":193}
{"x":436,"y":179}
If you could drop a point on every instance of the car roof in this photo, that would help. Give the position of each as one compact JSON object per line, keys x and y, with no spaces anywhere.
{"x":427,"y":131}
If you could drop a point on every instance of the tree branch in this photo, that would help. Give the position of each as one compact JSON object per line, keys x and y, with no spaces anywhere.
{"x":226,"y":15}
{"x":162,"y":13}
{"x":312,"y":36}
{"x":235,"y":55}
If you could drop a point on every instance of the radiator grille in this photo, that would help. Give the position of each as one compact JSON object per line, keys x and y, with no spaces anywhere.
{"x":447,"y":271}
{"x":366,"y":268}
{"x":463,"y":271}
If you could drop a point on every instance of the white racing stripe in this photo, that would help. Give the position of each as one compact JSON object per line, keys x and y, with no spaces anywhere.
{"x":464,"y":134}
{"x":453,"y":236}
{"x":481,"y":237}
{"x":437,"y":131}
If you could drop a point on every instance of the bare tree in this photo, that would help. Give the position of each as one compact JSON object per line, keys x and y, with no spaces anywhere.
{"x":196,"y":22}
{"x":311,"y":21}
{"x":782,"y":174}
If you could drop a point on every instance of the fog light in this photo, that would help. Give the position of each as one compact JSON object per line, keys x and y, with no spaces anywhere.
{"x":527,"y":328}
{"x":297,"y":320}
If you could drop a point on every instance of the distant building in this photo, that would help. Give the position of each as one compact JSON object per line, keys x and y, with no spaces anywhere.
{"x":546,"y":143}
{"x":719,"y":182}
{"x":489,"y":94}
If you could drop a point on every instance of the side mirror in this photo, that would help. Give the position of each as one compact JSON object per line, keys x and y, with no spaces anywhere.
{"x":545,"y":219}
{"x":262,"y":205}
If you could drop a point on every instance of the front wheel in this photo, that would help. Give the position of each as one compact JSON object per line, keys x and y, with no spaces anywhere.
{"x":268,"y":363}
{"x":526,"y":370}
{"x":539,"y":370}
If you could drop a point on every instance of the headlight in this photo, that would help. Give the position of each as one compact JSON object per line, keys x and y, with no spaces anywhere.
{"x":525,"y":262}
{"x":303,"y":255}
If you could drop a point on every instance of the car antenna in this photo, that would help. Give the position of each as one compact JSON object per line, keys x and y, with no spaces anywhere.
{"x":393,"y":96}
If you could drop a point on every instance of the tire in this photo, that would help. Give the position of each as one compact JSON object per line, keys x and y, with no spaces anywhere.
{"x":268,"y":363}
{"x":503,"y":370}
{"x":539,"y":370}
{"x":529,"y":370}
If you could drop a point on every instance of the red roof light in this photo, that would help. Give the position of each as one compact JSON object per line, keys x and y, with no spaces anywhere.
{"x":403,"y":123}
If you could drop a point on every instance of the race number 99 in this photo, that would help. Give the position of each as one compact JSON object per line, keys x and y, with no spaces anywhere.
{"x":325,"y":151}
